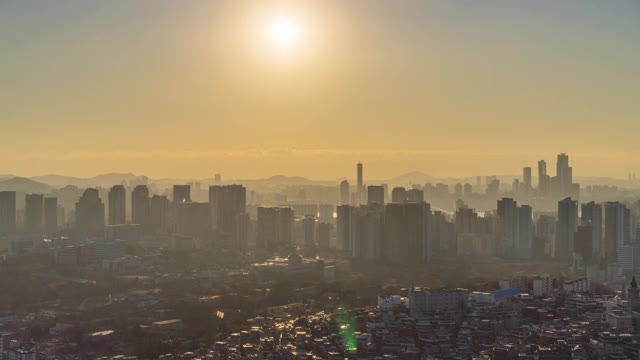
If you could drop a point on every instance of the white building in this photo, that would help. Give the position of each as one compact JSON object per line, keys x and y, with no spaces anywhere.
{"x":542,"y":285}
{"x":581,"y":285}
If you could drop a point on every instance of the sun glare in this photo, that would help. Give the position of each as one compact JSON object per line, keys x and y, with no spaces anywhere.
{"x":283,"y":32}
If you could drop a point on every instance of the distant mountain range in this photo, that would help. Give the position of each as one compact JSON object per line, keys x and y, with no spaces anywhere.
{"x":50,"y":183}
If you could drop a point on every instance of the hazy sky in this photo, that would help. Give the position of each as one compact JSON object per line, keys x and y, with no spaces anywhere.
{"x":188,"y":88}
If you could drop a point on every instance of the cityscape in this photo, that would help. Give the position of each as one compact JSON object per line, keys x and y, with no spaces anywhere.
{"x":319,"y":179}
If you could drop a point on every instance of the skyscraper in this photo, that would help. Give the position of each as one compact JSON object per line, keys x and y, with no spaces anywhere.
{"x":399,"y":195}
{"x":309,"y":236}
{"x":160,"y":207}
{"x":526,"y":182}
{"x":117,"y":205}
{"x":141,"y":206}
{"x":544,"y":182}
{"x":7,"y":213}
{"x":34,"y":212}
{"x":375,"y":194}
{"x":345,"y":228}
{"x":51,"y":215}
{"x":360,"y":189}
{"x":567,"y":226}
{"x":181,"y":194}
{"x":564,"y":176}
{"x":324,"y":237}
{"x":592,"y":217}
{"x":218,"y":179}
{"x":344,"y":192}
{"x":90,"y":214}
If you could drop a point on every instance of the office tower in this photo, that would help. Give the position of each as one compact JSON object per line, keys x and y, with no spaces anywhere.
{"x":181,"y":194}
{"x":344,"y":192}
{"x":345,"y":228}
{"x":406,"y":233}
{"x":275,"y":228}
{"x":90,"y":214}
{"x":592,"y":217}
{"x":360,"y":189}
{"x":614,"y":230}
{"x":51,"y":215}
{"x":217,"y":179}
{"x":309,"y":236}
{"x":468,"y":190}
{"x":117,"y":205}
{"x":399,"y":195}
{"x":7,"y":213}
{"x":544,"y":182}
{"x":229,"y":206}
{"x":375,"y":194}
{"x":160,"y":209}
{"x":324,"y":237}
{"x":34,"y":212}
{"x":526,"y":182}
{"x":584,"y":243}
{"x":194,"y":219}
{"x":141,"y":206}
{"x":567,"y":226}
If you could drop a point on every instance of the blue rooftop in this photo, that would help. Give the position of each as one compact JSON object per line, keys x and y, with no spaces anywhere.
{"x":499,"y":294}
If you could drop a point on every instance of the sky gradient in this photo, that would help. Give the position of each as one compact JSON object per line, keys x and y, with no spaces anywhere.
{"x":190,"y":88}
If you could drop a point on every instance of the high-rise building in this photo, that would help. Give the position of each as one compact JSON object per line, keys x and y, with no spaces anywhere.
{"x":583,"y":243}
{"x":160,"y":208}
{"x":406,"y":233}
{"x":375,"y":194}
{"x":51,"y":215}
{"x":275,"y":228}
{"x":544,"y":182}
{"x":399,"y":195}
{"x":34,"y":212}
{"x":443,"y":239}
{"x":324,"y":237}
{"x":526,"y":182}
{"x":415,"y":195}
{"x":181,"y":194}
{"x":567,"y":226}
{"x":217,"y":179}
{"x":309,"y":236}
{"x":7,"y":213}
{"x":615,"y":230}
{"x":468,"y":190}
{"x":117,"y":205}
{"x":516,"y":228}
{"x":592,"y":217}
{"x":360,"y":188}
{"x":141,"y":206}
{"x":367,"y":231}
{"x":90,"y":214}
{"x":345,"y":228}
{"x":344,"y":192}
{"x":229,"y":208}
{"x":194,"y":219}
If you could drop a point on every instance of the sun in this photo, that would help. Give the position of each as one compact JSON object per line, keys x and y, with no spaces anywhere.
{"x":283,"y":32}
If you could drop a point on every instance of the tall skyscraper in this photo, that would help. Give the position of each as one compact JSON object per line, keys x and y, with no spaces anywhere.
{"x":360,"y":189}
{"x":34,"y":212}
{"x":7,"y":213}
{"x":117,"y":205}
{"x":516,"y":228}
{"x":526,"y":182}
{"x":615,"y":229}
{"x":367,"y":231}
{"x":415,"y":195}
{"x":218,"y":179}
{"x":275,"y":228}
{"x":544,"y":182}
{"x":345,"y":228}
{"x":567,"y":226}
{"x":375,"y":194}
{"x":90,"y":214}
{"x":51,"y":215}
{"x":141,"y":206}
{"x":324,"y":237}
{"x":229,"y":207}
{"x":592,"y":217}
{"x":344,"y":192}
{"x":564,"y":176}
{"x":399,"y":195}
